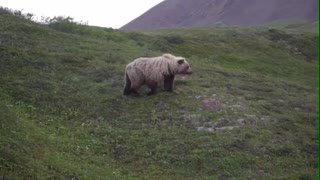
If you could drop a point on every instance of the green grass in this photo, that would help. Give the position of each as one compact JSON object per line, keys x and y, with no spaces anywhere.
{"x":249,"y":111}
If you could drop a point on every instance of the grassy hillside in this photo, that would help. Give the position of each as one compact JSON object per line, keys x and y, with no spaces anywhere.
{"x":249,"y":111}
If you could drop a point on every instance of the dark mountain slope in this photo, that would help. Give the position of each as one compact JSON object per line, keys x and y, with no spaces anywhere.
{"x":186,"y":13}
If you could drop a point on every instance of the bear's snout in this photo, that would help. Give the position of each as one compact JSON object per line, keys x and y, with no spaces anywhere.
{"x":189,"y":71}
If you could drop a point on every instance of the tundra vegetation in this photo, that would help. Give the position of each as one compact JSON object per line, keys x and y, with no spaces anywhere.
{"x":249,"y":110}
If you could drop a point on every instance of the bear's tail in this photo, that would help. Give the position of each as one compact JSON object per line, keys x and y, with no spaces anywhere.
{"x":127,"y":86}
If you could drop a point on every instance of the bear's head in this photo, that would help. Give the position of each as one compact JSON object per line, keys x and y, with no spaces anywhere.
{"x":183,"y":66}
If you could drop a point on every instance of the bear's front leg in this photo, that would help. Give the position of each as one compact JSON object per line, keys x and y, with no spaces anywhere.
{"x":168,"y":83}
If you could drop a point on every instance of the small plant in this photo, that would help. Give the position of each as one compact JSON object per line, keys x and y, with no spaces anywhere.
{"x":17,"y":13}
{"x":174,"y":39}
{"x":64,"y":24}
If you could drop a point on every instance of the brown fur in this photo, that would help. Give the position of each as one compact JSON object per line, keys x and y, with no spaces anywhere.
{"x":151,"y":71}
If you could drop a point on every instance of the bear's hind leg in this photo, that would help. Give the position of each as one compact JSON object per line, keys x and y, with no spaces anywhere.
{"x":135,"y":85}
{"x":127,"y":90}
{"x":135,"y":92}
{"x":153,"y":87}
{"x":127,"y":86}
{"x":131,"y":87}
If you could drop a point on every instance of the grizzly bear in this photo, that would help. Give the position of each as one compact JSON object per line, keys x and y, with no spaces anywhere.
{"x":152,"y":71}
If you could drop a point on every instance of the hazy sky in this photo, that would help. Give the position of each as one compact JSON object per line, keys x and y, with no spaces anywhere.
{"x":104,"y":13}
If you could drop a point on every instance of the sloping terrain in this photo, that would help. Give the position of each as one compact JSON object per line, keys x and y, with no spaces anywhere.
{"x":249,"y":111}
{"x":188,"y":13}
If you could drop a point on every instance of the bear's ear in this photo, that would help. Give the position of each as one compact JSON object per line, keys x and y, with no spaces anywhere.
{"x":180,"y":61}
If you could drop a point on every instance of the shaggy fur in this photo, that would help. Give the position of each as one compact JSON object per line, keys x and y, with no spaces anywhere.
{"x":151,"y":71}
